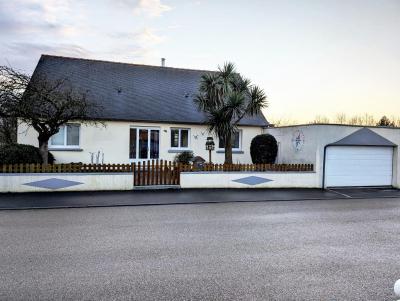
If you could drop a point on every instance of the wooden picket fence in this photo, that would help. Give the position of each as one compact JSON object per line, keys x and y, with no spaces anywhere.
{"x":161,"y":172}
{"x":153,"y":172}
{"x":65,"y":168}
{"x":79,"y":167}
{"x":156,"y":172}
{"x":248,"y":167}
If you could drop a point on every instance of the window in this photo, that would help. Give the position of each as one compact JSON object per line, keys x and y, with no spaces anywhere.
{"x":144,"y":143}
{"x":180,"y":138}
{"x":67,"y":136}
{"x":236,"y":141}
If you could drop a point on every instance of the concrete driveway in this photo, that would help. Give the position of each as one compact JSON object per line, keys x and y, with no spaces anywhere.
{"x":338,"y":249}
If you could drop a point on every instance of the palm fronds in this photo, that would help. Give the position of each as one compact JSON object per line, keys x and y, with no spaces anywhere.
{"x":226,"y":97}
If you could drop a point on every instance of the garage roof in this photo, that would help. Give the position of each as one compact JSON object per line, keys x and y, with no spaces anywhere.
{"x":364,"y":137}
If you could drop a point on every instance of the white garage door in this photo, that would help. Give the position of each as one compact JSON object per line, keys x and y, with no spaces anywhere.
{"x":358,"y":166}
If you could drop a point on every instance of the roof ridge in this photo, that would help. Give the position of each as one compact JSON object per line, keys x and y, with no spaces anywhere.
{"x":123,"y":63}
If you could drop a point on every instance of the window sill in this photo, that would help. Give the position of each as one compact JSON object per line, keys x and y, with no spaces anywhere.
{"x":179,"y":150}
{"x":65,"y":149}
{"x":222,"y":151}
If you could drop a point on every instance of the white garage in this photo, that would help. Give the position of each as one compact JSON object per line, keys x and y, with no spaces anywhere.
{"x":342,"y":155}
{"x":363,"y":158}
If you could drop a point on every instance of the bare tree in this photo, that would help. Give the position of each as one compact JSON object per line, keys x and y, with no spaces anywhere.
{"x":368,"y":119}
{"x":320,"y":119}
{"x":341,"y":118}
{"x":43,"y":103}
{"x":360,"y":120}
{"x":355,"y":120}
{"x":395,"y":120}
{"x":282,"y":121}
{"x":8,"y":130}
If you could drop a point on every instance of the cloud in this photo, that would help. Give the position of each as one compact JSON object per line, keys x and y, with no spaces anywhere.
{"x":147,"y":37}
{"x":152,"y":8}
{"x":36,"y":49}
{"x":33,"y":17}
{"x":29,"y":28}
{"x":144,"y":33}
{"x":24,"y":55}
{"x":134,"y":47}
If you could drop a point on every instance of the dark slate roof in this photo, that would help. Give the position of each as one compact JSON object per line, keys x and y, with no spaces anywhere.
{"x":364,"y":137}
{"x":134,"y":92}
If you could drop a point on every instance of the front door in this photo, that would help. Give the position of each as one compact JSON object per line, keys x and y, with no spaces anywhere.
{"x":144,"y":144}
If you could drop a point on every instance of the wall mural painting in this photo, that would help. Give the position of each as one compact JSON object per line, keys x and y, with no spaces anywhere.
{"x":298,"y":140}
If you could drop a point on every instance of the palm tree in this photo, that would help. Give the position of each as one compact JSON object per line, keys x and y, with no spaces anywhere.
{"x":226,"y":97}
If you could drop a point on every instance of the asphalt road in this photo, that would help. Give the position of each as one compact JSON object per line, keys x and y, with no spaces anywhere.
{"x":347,"y":249}
{"x":82,"y":199}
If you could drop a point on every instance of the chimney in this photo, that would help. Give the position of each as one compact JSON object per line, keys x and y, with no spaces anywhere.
{"x":162,"y":62}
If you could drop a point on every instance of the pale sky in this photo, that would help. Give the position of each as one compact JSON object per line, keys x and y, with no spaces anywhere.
{"x":312,"y":57}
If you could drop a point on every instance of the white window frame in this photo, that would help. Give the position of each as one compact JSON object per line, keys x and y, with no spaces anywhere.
{"x":65,"y":146}
{"x":179,"y":138}
{"x":234,"y":148}
{"x":148,"y":128}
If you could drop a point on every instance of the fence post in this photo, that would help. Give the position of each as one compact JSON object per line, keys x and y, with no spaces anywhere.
{"x":148,"y":172}
{"x":169,"y":180}
{"x":134,"y":173}
{"x":177,"y":173}
{"x":165,"y":172}
{"x":138,"y":174}
{"x":152,"y":173}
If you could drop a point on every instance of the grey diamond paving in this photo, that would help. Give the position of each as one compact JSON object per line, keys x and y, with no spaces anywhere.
{"x":53,"y":183}
{"x":252,"y":180}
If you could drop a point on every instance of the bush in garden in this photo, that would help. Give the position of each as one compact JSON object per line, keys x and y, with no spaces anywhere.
{"x":184,"y":157}
{"x":21,"y":153}
{"x":263,"y":149}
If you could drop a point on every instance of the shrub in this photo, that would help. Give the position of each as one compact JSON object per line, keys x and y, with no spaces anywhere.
{"x":263,"y":149}
{"x":184,"y":157}
{"x":21,"y":153}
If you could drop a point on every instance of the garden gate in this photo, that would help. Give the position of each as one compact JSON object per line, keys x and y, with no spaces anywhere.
{"x":156,"y":172}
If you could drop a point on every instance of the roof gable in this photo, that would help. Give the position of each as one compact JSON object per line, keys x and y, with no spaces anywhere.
{"x":135,"y":92}
{"x":364,"y":137}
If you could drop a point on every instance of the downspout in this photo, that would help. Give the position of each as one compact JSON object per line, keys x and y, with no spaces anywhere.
{"x":323,"y":167}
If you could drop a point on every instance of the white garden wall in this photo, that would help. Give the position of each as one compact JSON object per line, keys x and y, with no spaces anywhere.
{"x":43,"y":182}
{"x":249,"y":180}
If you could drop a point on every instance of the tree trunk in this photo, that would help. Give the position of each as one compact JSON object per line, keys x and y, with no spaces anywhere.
{"x":44,"y":149}
{"x":228,"y":149}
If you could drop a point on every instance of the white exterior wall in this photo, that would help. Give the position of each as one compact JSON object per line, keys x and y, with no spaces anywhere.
{"x":113,"y":141}
{"x":316,"y":137}
{"x":87,"y":182}
{"x":228,"y":179}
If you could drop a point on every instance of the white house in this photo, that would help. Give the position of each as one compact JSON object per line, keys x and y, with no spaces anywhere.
{"x":148,"y":113}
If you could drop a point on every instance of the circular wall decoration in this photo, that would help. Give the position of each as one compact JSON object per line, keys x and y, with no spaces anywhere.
{"x":298,"y":140}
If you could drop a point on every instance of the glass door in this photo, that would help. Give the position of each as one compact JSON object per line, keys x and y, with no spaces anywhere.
{"x":144,"y":144}
{"x":154,"y":144}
